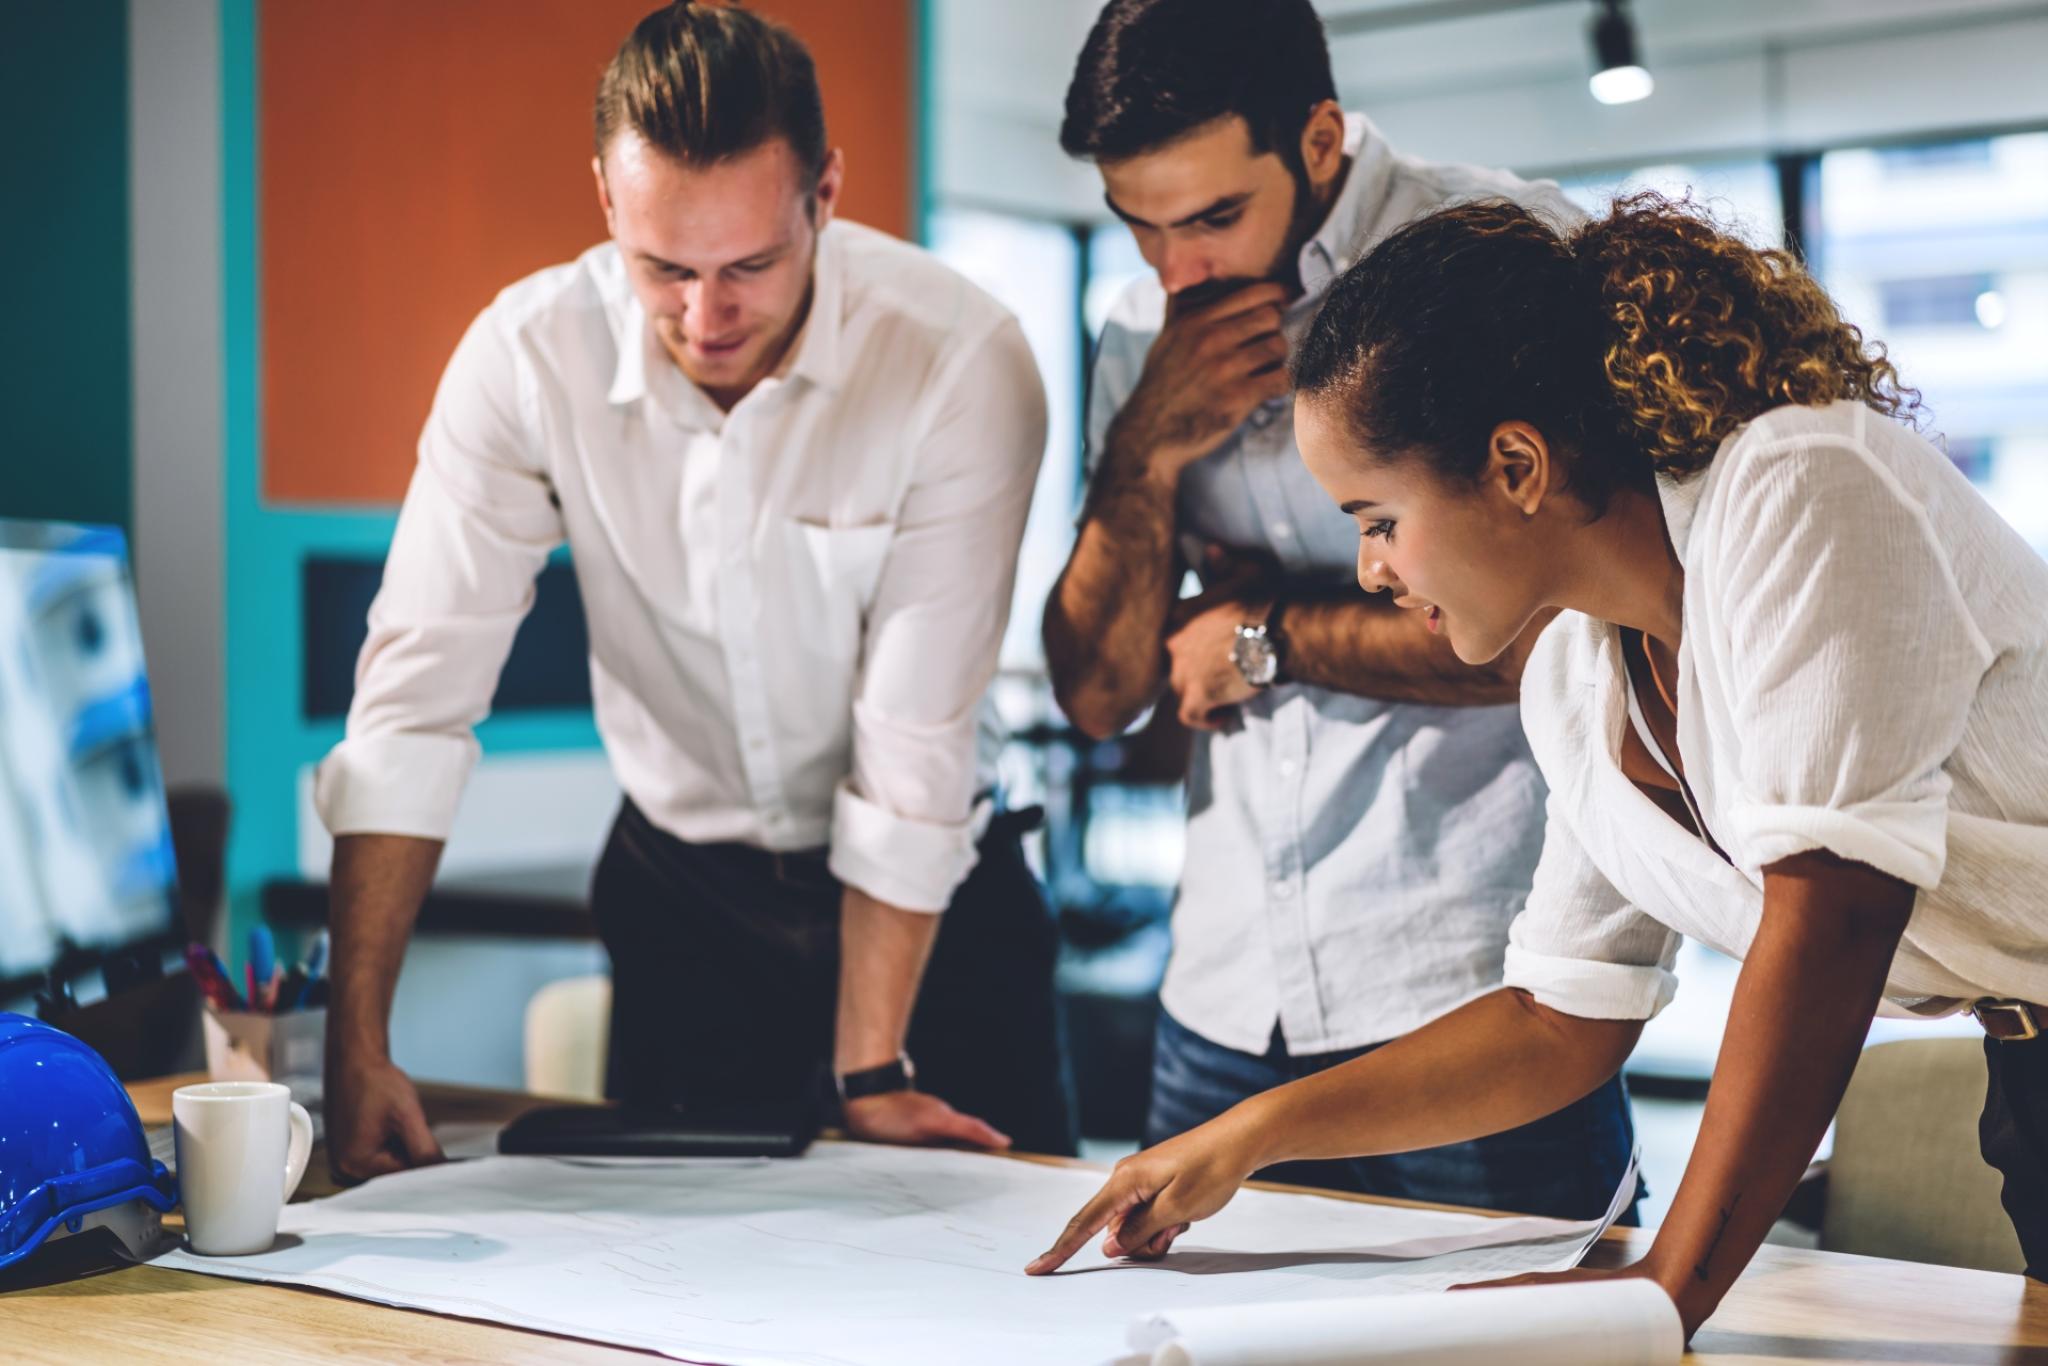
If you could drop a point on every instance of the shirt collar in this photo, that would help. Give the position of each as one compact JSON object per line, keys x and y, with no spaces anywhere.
{"x":816,"y":350}
{"x":629,"y":378}
{"x":1681,"y":499}
{"x":1335,"y":245}
{"x":817,"y":347}
{"x":1680,"y":496}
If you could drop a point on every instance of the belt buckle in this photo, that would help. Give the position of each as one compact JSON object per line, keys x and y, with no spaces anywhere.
{"x":2020,"y":1011}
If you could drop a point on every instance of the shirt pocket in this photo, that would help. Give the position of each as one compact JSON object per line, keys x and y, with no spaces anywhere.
{"x":834,"y":573}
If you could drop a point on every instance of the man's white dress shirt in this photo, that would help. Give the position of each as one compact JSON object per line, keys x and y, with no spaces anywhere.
{"x":1352,"y":865}
{"x":1863,"y":670}
{"x":794,"y":608}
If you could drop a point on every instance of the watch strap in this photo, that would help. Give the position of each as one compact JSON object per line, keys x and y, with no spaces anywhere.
{"x":897,"y":1075}
{"x":1277,"y":638}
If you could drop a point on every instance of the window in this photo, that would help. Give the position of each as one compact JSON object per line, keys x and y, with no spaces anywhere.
{"x":1973,"y":455}
{"x":1741,"y":195}
{"x":1033,"y":267}
{"x":1938,"y":301}
{"x":1933,"y":158}
{"x":1113,"y":263}
{"x":1941,"y":253}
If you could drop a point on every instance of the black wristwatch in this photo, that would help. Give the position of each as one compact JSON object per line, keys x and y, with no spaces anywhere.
{"x":900,"y":1075}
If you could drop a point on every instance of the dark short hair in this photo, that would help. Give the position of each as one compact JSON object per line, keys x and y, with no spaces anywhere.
{"x":1155,"y":70}
{"x":706,"y":82}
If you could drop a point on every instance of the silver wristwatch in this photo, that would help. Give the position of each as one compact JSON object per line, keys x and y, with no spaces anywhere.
{"x":1255,"y":654}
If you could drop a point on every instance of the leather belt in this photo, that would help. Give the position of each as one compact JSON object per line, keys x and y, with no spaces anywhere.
{"x":2010,"y":1021}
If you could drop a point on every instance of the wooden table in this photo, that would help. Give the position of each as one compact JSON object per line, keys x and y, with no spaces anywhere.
{"x":1791,"y":1307}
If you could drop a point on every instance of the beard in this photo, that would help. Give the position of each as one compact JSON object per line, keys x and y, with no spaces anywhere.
{"x":1303,"y":219}
{"x":1302,"y":222}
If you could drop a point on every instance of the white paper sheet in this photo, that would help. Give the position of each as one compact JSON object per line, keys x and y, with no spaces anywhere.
{"x":1598,"y":1323}
{"x":854,"y":1255}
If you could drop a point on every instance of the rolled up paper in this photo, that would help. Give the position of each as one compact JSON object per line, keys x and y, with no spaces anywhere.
{"x":1593,"y":1323}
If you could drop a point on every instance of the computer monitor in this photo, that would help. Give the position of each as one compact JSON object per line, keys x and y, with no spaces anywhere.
{"x":87,"y":879}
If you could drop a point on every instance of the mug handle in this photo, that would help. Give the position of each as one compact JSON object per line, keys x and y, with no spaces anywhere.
{"x":301,"y":1149}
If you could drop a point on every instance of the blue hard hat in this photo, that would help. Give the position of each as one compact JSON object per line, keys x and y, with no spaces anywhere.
{"x":72,"y":1148}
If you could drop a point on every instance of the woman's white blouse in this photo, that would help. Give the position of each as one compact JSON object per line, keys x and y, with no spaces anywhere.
{"x":1864,"y":670}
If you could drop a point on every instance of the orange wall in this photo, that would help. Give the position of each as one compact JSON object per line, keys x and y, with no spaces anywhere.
{"x":416,"y":157}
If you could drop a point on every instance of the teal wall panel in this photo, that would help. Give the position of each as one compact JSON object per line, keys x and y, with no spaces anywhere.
{"x":65,"y":410}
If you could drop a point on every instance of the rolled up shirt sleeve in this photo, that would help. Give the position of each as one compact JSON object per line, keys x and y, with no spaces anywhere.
{"x":1579,"y":946}
{"x":905,"y":821}
{"x":1854,"y":657}
{"x":477,"y":525}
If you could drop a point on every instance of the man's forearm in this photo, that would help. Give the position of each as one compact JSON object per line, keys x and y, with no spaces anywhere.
{"x":882,"y":953}
{"x":375,"y":889}
{"x":1106,"y":618}
{"x":1490,"y":1065}
{"x":1802,"y":1006}
{"x":1358,"y":643}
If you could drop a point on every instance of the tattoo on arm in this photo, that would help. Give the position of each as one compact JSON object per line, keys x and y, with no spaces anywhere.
{"x":1700,"y":1267}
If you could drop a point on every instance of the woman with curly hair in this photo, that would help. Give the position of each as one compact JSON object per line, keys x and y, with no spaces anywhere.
{"x":1794,"y":704}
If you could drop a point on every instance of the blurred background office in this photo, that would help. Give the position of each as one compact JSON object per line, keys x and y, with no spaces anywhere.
{"x":244,"y":236}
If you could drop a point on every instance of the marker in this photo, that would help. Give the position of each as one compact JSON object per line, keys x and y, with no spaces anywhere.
{"x":316,"y":964}
{"x":262,"y":967}
{"x":211,"y":977}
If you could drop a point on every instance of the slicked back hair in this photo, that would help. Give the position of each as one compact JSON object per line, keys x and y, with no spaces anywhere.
{"x":704,"y":82}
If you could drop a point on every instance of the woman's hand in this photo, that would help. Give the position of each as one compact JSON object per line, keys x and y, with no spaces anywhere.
{"x":1151,"y":1197}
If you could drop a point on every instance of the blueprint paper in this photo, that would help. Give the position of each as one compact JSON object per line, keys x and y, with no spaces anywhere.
{"x":855,"y":1255}
{"x":1592,"y":1323}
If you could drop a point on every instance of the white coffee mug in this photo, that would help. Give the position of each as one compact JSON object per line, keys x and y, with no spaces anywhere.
{"x":242,"y":1147}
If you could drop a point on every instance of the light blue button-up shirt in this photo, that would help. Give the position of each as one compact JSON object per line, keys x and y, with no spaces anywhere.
{"x":1352,"y":865}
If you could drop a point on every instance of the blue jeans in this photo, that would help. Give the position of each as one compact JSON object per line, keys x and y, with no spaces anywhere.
{"x":1565,"y":1165}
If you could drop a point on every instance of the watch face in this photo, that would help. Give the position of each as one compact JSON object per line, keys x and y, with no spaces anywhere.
{"x":1254,"y":657}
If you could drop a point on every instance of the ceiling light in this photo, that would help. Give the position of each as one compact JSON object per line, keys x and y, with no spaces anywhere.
{"x":1619,"y":77}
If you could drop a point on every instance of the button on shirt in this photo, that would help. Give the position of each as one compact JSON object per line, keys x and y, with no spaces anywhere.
{"x":1863,"y":670}
{"x":1352,"y":864}
{"x":794,"y":608}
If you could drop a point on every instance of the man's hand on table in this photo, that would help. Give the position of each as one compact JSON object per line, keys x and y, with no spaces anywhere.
{"x":914,"y":1117}
{"x":375,"y":1124}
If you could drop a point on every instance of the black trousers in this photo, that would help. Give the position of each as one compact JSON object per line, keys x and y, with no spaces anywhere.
{"x":725,"y":980}
{"x":2013,"y":1135}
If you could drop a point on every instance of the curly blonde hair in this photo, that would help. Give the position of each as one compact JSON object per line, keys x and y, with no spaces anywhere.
{"x":1636,"y":342}
{"x":1710,"y":331}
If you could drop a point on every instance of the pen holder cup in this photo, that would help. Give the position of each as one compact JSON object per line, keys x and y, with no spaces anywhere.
{"x":243,"y":1045}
